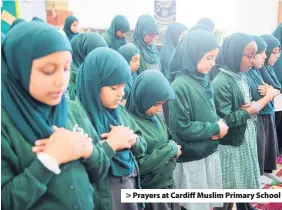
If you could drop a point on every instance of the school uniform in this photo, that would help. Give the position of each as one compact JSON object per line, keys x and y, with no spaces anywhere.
{"x":266,"y":130}
{"x":238,"y":149}
{"x":193,"y":119}
{"x":106,"y":67}
{"x":26,"y":182}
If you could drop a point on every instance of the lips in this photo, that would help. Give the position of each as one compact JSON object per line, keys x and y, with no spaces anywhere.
{"x":57,"y":94}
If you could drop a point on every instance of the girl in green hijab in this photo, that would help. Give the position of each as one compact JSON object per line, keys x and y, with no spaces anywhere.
{"x":149,"y":92}
{"x":171,"y":39}
{"x":193,"y":120}
{"x":82,"y":45}
{"x":278,"y":100}
{"x":271,"y":75}
{"x":145,"y":33}
{"x":42,"y":133}
{"x":132,"y":55}
{"x":233,"y":102}
{"x":104,"y":74}
{"x":71,"y":27}
{"x":266,"y":130}
{"x":115,"y":35}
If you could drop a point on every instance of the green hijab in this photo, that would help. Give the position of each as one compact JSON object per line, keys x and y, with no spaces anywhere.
{"x":189,"y":53}
{"x":255,"y":79}
{"x":128,"y":51}
{"x":231,"y":52}
{"x":16,"y":22}
{"x":208,"y":23}
{"x":38,"y":19}
{"x":119,"y":23}
{"x":146,"y":25}
{"x":30,"y":41}
{"x":82,"y":45}
{"x":67,"y":27}
{"x":267,"y":71}
{"x":104,"y":67}
{"x":170,"y":42}
{"x":150,"y":87}
{"x":278,"y":65}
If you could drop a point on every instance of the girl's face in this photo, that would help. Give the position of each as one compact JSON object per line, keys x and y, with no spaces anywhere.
{"x":149,"y":38}
{"x":207,"y":62}
{"x":111,"y":96}
{"x":75,"y":27}
{"x":275,"y":54}
{"x":135,"y":63}
{"x":120,"y":34}
{"x":260,"y":59}
{"x":248,"y":57}
{"x":50,"y":77}
{"x":156,"y":108}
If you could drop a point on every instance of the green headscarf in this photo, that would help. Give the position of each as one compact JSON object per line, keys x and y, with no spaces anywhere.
{"x":231,"y":52}
{"x":150,"y":87}
{"x":170,"y":42}
{"x":255,"y":79}
{"x":119,"y":23}
{"x":189,"y":53}
{"x":208,"y":23}
{"x":128,"y":51}
{"x":146,"y":25}
{"x":16,"y":22}
{"x":30,"y":41}
{"x":104,"y":67}
{"x":67,"y":27}
{"x":38,"y":19}
{"x":278,"y":65}
{"x":82,"y":45}
{"x":267,"y":71}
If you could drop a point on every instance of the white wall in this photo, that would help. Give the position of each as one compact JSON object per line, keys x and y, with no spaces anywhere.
{"x":31,"y":8}
{"x":249,"y":16}
{"x":99,"y":13}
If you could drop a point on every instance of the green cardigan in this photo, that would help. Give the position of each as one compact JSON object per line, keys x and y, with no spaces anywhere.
{"x":28,"y":184}
{"x":228,"y":101}
{"x":102,"y":196}
{"x":193,"y":119}
{"x":157,"y":164}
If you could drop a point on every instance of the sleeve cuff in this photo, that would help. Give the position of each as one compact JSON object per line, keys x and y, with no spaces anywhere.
{"x":215,"y":129}
{"x":174,"y":147}
{"x":109,"y":151}
{"x":40,"y":172}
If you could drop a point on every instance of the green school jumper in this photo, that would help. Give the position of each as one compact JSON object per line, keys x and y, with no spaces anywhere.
{"x":157,"y":164}
{"x":28,"y":184}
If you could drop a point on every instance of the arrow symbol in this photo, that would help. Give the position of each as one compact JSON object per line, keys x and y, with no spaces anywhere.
{"x":128,"y":195}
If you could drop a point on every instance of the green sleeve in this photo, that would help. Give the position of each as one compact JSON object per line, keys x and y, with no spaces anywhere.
{"x":158,"y":158}
{"x":223,"y":104}
{"x":126,"y":119}
{"x":183,"y":126}
{"x":98,"y":164}
{"x":140,"y":147}
{"x":21,"y":190}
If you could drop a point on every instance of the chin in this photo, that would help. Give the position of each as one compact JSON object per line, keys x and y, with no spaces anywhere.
{"x":53,"y":102}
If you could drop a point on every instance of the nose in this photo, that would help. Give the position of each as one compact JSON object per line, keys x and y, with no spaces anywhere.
{"x":60,"y":78}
